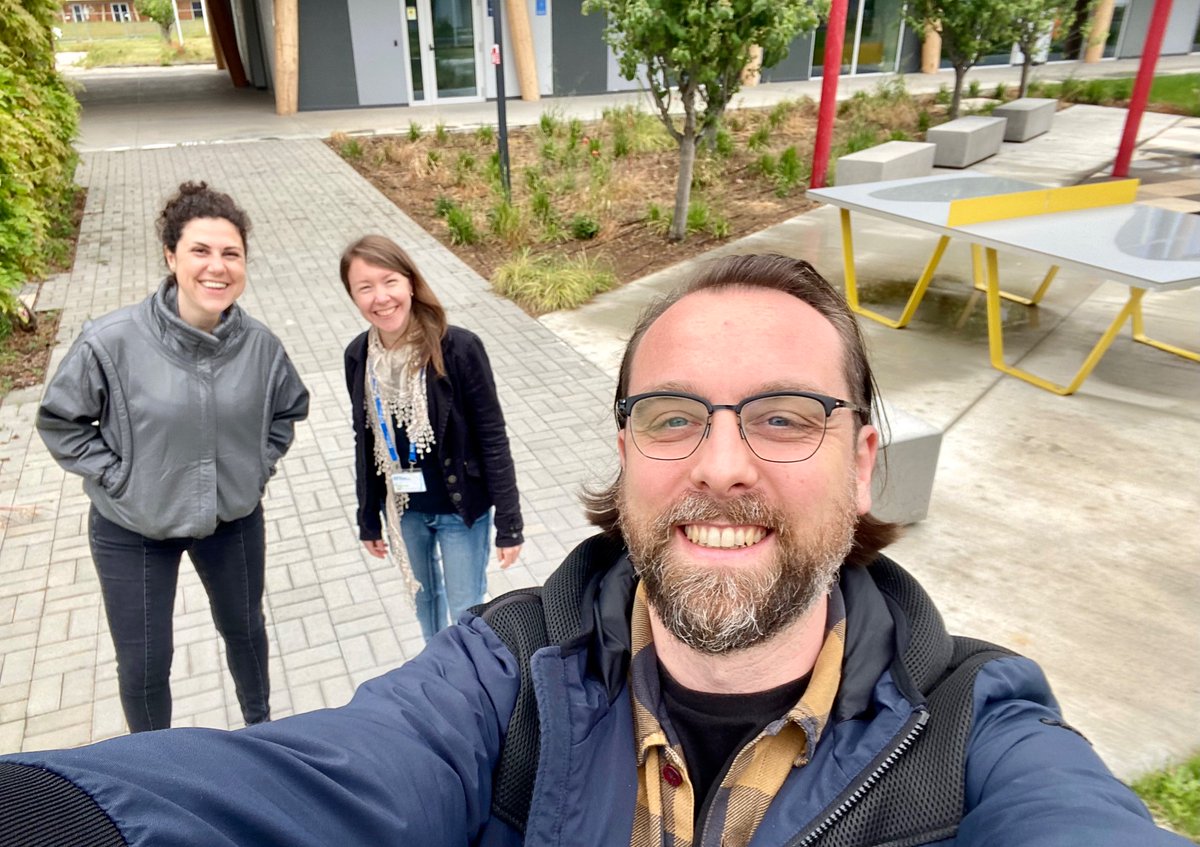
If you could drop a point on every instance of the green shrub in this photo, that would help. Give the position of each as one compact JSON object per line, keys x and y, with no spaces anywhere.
{"x":723,"y":144}
{"x":351,"y":149}
{"x":973,"y":88}
{"x":698,"y":216}
{"x":485,"y":134}
{"x":622,"y":146}
{"x":506,"y":222}
{"x":584,"y":227}
{"x":759,"y":138}
{"x":943,"y":96}
{"x":433,"y":158}
{"x":765,"y":165}
{"x":1173,"y":795}
{"x":414,"y":131}
{"x":718,"y":226}
{"x":574,"y":131}
{"x":923,"y":121}
{"x":464,"y":166}
{"x":441,"y":133}
{"x":38,"y":118}
{"x":1001,"y":91}
{"x":548,"y":124}
{"x":789,"y":173}
{"x":778,"y":114}
{"x":542,"y":208}
{"x":443,"y":205}
{"x":550,"y":282}
{"x":643,"y":132}
{"x":899,"y":135}
{"x":462,"y":226}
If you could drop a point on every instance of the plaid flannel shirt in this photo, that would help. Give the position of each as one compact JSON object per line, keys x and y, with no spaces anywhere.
{"x":664,"y":814}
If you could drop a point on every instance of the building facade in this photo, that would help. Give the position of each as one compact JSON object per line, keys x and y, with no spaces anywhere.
{"x":123,"y":12}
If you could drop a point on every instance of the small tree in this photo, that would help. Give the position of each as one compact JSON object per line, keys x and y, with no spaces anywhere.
{"x":970,"y":29}
{"x":162,"y":12}
{"x":695,"y":50}
{"x":1032,"y":20}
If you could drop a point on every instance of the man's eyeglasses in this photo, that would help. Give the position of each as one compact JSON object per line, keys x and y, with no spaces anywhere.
{"x":780,"y":426}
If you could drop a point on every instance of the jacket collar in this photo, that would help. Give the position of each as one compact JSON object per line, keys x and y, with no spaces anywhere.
{"x":891,"y":624}
{"x":179,"y":335}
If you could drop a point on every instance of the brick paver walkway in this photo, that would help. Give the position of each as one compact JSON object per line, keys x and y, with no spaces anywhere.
{"x":336,"y":616}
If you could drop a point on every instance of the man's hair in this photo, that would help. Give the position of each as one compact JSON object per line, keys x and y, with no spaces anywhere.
{"x":798,"y":279}
{"x":427,"y":319}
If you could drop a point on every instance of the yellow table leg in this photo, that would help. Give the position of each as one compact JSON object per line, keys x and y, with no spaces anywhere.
{"x":914,"y":299}
{"x":996,"y":335}
{"x":1139,"y":334}
{"x":981,"y":282}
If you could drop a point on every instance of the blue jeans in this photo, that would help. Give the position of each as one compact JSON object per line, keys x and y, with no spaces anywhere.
{"x":138,"y":577}
{"x":449,"y":560}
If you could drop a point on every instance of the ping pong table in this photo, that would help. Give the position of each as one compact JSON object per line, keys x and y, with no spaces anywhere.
{"x":1094,"y":228}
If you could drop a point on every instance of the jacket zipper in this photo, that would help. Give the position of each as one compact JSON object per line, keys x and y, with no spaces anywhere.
{"x":914,"y":728}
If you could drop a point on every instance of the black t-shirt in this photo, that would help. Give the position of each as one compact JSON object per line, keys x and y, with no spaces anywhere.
{"x":713,"y":728}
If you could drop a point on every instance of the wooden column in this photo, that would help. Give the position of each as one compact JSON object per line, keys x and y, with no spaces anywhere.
{"x":752,"y":73}
{"x":222,"y":27}
{"x":1101,"y":23}
{"x":287,"y":57}
{"x":931,"y":51}
{"x":520,"y":36}
{"x":218,"y":57}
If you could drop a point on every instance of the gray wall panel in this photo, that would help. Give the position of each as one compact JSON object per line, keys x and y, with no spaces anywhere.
{"x":378,"y":31}
{"x":327,"y":79}
{"x":795,"y":65}
{"x":580,"y":54}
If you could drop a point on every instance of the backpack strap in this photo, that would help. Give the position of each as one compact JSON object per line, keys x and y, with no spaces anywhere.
{"x":921,"y":799}
{"x":527,"y":620}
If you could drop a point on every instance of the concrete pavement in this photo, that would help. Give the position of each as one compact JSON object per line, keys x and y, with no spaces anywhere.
{"x":1064,"y":527}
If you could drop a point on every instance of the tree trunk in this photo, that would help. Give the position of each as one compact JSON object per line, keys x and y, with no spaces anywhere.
{"x":683,"y":186}
{"x":687,"y":161}
{"x":960,"y":74}
{"x":1025,"y":67}
{"x":166,"y":30}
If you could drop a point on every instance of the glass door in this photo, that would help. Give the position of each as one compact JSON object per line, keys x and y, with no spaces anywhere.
{"x":444,"y":57}
{"x":872,"y":40}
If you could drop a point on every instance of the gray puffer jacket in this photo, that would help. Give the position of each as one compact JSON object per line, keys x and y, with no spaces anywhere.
{"x":172,"y":428}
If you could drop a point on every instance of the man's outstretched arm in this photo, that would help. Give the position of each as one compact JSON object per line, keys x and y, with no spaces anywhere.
{"x":408,"y":761}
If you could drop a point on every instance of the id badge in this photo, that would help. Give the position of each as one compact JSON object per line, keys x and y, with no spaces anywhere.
{"x":410,"y":482}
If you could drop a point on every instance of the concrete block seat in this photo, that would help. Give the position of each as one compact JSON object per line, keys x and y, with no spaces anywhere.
{"x":965,"y":141}
{"x":1027,"y":117}
{"x":890,"y":160}
{"x":901,"y":487}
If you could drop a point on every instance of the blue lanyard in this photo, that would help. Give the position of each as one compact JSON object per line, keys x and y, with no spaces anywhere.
{"x":383,"y":418}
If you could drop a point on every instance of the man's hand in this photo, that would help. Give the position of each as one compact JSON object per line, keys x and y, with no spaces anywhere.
{"x":507,"y":555}
{"x":377,"y":548}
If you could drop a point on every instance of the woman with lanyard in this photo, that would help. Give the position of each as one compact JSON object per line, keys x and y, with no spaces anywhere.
{"x":175,"y":412}
{"x":431,"y":450}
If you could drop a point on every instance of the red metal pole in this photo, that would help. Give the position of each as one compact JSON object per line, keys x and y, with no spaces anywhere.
{"x":835,"y":36}
{"x":1141,"y":87}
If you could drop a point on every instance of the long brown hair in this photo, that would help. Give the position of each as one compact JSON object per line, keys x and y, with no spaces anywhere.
{"x":802,"y":281}
{"x":427,"y":319}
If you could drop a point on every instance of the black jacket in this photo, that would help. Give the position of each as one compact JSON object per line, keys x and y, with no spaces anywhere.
{"x":471,"y":444}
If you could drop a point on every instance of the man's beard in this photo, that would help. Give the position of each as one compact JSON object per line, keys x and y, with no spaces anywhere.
{"x":716,"y":610}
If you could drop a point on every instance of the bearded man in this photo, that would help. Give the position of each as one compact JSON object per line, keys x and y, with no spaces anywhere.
{"x":730,"y":662}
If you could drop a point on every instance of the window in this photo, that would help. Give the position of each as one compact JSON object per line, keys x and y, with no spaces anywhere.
{"x":197,"y":10}
{"x":78,"y":12}
{"x":120,"y":12}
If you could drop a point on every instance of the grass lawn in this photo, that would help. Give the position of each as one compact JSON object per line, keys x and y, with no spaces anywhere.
{"x":109,"y":44}
{"x":1178,"y":93}
{"x":1173,"y":795}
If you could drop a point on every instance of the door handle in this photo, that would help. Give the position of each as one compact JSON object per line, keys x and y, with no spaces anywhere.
{"x":430,"y":48}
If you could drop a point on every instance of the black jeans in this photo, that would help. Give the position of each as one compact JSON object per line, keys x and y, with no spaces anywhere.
{"x":138,"y":577}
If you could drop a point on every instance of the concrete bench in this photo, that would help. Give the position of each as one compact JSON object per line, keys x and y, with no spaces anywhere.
{"x":965,"y":141}
{"x":901,"y":489}
{"x":1027,"y":117}
{"x":890,"y":160}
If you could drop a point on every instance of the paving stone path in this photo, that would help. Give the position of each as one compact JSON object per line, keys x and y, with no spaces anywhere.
{"x":335,"y":616}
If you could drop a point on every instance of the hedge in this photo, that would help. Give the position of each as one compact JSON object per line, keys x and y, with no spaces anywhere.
{"x":38,"y":119}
